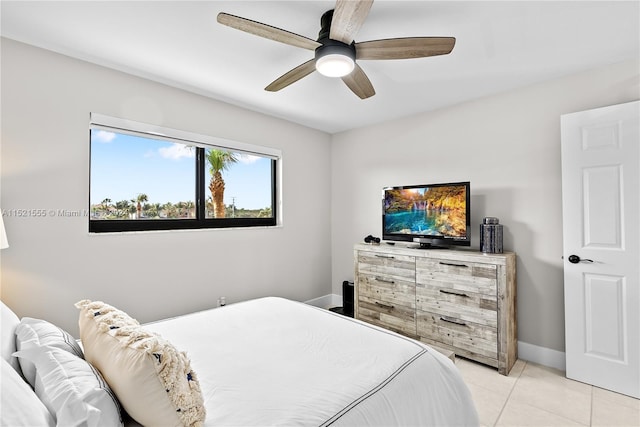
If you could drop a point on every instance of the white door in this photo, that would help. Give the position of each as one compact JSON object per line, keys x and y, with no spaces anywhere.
{"x":601,"y":231}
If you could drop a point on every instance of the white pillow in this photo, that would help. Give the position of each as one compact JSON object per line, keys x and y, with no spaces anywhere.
{"x":72,"y":389}
{"x":40,"y":333}
{"x":8,"y":324}
{"x":152,"y":379}
{"x":20,"y":405}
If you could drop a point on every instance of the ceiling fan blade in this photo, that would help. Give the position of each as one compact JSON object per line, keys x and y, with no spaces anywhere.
{"x":292,"y":76}
{"x":405,"y":48}
{"x":267,"y":31}
{"x":359,"y":83}
{"x":348,"y":17}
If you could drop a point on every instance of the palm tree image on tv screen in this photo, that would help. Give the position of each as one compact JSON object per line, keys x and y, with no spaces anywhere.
{"x":426,"y":210}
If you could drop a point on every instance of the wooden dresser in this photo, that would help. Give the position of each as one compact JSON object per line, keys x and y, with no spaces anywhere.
{"x":459,"y":300}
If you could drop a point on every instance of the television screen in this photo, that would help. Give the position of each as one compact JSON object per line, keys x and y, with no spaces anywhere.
{"x":434,"y":214}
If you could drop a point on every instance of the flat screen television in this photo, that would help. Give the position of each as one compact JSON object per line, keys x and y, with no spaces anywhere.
{"x":433,"y":215}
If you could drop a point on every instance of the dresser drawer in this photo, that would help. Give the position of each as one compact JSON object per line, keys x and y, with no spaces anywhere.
{"x":462,"y":305}
{"x":387,"y":302}
{"x":400,"y":267}
{"x":465,"y":338}
{"x":464,"y":276}
{"x":386,"y":289}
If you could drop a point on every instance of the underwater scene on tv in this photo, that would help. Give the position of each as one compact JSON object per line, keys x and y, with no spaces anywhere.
{"x":436,"y":211}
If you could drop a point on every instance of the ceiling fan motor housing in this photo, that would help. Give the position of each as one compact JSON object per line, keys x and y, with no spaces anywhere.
{"x":333,"y":50}
{"x":325,"y":25}
{"x":330,"y":46}
{"x":334,"y":47}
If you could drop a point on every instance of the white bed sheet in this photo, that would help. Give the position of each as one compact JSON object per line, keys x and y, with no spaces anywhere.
{"x":275,"y":362}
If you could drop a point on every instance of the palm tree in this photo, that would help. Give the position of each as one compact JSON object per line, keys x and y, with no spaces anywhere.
{"x":189,"y":205}
{"x":181,"y":206}
{"x":151,"y":210}
{"x":132,"y":208}
{"x":102,"y":209}
{"x":219,"y":161}
{"x":170,"y":210}
{"x":139,"y":200}
{"x":122,"y":208}
{"x":105,"y":204}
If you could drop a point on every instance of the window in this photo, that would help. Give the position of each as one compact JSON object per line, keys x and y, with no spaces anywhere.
{"x":144,"y":177}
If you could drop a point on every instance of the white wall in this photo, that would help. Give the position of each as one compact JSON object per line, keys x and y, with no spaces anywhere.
{"x":53,"y":262}
{"x":508,"y":146}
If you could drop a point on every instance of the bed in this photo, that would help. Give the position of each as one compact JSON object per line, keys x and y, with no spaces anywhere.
{"x":263,"y":362}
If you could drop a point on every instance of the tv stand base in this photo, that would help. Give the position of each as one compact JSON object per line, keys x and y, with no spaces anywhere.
{"x":430,"y":246}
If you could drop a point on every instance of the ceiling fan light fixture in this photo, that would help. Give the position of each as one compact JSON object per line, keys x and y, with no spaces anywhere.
{"x":335,"y":65}
{"x":335,"y":59}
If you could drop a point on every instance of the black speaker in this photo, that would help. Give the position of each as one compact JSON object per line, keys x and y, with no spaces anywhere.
{"x":347,"y":298}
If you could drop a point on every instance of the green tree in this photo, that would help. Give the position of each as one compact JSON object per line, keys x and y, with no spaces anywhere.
{"x":103,"y":207}
{"x":152,"y":210}
{"x":265,"y":213}
{"x":139,"y":200}
{"x":122,"y":209}
{"x":219,"y":161}
{"x":170,"y":210}
{"x":189,"y":206}
{"x":105,"y":204}
{"x":182,"y":209}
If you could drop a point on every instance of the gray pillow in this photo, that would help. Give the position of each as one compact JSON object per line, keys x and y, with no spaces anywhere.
{"x":72,"y":389}
{"x":40,"y":333}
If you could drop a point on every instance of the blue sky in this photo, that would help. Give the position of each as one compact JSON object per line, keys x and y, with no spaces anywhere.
{"x":123,"y":166}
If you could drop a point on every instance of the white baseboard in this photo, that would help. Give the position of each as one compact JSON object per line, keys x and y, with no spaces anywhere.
{"x":326,"y":301}
{"x":542,"y":355}
{"x":529,"y":352}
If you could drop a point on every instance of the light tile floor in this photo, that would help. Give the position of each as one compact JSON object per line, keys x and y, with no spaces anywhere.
{"x":534,"y":395}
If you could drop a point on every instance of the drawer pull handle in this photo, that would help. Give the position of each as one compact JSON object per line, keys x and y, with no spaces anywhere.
{"x":388,"y":307}
{"x":459,"y":294}
{"x":385,"y":256}
{"x":382,"y":279}
{"x":452,"y":320}
{"x":453,"y":265}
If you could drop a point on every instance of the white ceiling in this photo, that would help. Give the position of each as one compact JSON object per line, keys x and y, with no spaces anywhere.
{"x":500,"y":46}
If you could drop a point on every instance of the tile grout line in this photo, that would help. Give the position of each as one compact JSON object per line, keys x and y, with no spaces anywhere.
{"x":591,"y":407}
{"x":510,"y":393}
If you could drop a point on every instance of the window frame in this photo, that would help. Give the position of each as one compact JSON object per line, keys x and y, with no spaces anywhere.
{"x":200,"y":143}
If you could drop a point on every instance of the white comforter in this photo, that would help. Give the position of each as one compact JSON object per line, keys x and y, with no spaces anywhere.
{"x":274,"y":362}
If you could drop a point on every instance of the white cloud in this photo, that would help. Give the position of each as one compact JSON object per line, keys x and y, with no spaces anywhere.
{"x":176,"y":152}
{"x":248,"y":159}
{"x":103,"y":136}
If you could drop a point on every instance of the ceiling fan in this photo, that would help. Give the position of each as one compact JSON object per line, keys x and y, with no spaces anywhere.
{"x":336,"y":51}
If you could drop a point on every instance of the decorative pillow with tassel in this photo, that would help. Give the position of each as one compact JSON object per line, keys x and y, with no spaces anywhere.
{"x":152,"y":379}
